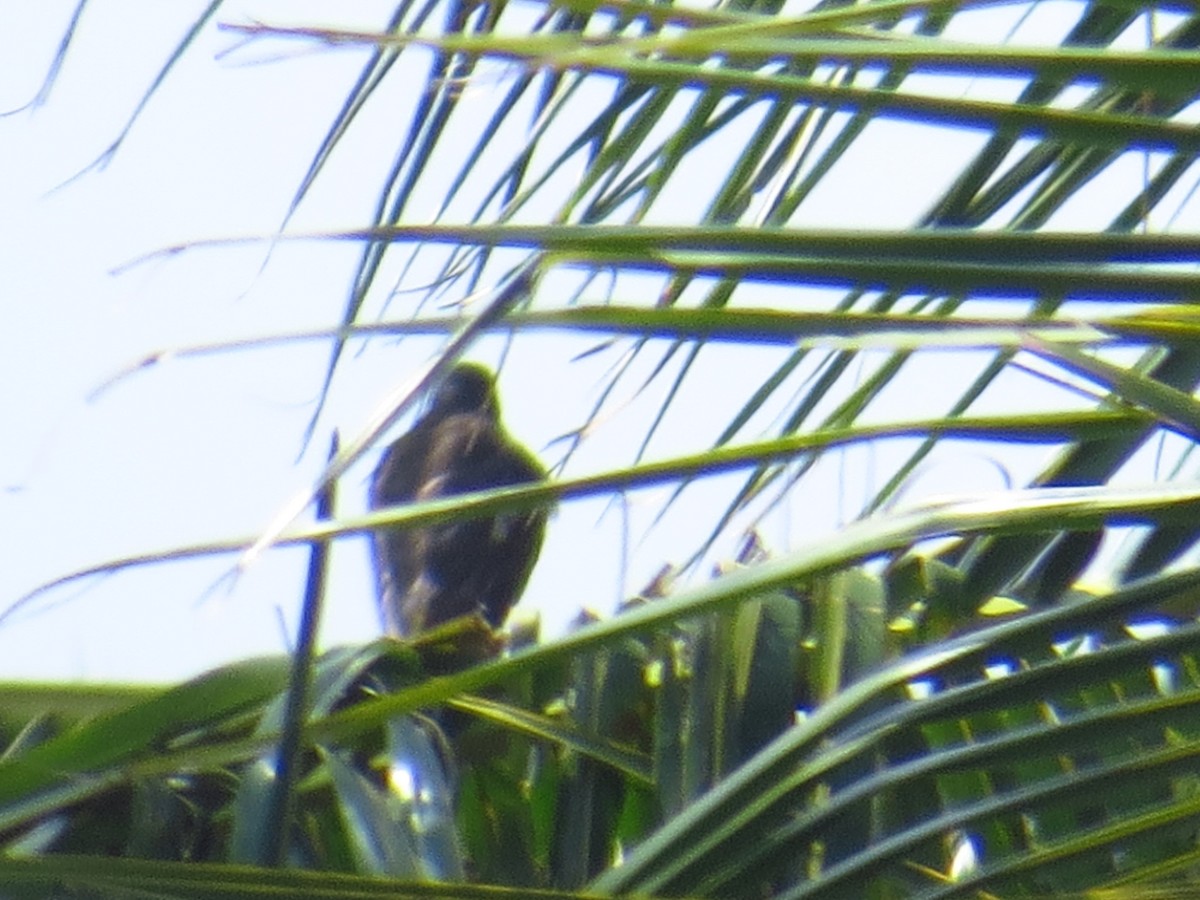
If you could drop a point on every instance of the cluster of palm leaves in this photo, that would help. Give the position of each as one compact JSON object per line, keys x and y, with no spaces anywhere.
{"x":985,"y":695}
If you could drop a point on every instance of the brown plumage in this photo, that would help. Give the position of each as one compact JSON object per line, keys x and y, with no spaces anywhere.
{"x":433,"y":574}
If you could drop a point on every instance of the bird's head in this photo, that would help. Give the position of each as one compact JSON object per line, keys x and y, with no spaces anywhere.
{"x":468,"y":388}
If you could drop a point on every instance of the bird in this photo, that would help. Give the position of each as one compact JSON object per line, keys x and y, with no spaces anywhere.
{"x":428,"y":575}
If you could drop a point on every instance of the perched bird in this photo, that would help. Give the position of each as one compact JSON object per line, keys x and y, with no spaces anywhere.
{"x":432,"y":574}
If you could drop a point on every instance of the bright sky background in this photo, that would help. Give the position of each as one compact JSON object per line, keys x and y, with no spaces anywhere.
{"x":206,"y":448}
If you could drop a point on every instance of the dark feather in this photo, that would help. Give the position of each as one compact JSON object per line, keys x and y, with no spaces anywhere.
{"x":434,"y":574}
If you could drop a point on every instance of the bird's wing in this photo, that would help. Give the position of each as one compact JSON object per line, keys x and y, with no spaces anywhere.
{"x":435,"y":573}
{"x":395,"y":550}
